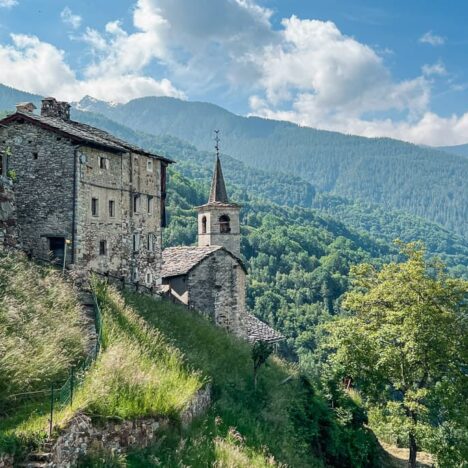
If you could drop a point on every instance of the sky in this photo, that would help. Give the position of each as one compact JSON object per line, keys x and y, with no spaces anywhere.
{"x":393,"y":68}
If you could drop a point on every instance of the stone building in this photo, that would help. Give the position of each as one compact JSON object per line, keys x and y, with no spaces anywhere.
{"x":9,"y":234}
{"x":211,"y":277}
{"x":84,"y":194}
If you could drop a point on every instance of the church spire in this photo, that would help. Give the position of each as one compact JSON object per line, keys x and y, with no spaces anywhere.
{"x":218,"y":187}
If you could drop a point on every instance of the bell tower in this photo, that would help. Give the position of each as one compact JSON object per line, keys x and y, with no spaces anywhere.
{"x":218,"y":220}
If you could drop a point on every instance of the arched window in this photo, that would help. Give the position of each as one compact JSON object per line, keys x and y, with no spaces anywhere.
{"x":203,"y":225}
{"x":224,"y":224}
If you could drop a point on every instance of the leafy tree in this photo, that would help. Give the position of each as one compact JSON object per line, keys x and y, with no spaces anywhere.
{"x":261,"y":351}
{"x":405,"y":345}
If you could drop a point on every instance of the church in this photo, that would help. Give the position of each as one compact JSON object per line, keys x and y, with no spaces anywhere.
{"x":211,"y":277}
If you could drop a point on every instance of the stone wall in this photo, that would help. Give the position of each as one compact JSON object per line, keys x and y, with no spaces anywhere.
{"x":43,"y":163}
{"x":216,"y":287}
{"x":8,"y":225}
{"x":117,"y":436}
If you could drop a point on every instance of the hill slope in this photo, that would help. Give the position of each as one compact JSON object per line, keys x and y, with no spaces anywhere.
{"x":392,"y":173}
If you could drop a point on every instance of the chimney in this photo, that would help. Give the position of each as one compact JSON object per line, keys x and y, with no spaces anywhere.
{"x":25,"y":107}
{"x":57,"y":109}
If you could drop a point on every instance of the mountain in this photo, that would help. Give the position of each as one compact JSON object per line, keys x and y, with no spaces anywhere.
{"x":460,"y":150}
{"x":391,"y":173}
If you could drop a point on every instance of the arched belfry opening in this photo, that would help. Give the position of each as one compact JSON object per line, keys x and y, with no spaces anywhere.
{"x":224,"y":224}
{"x":203,"y":225}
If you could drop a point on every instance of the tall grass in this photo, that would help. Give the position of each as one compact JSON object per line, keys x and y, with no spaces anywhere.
{"x":284,"y":421}
{"x":41,"y":327}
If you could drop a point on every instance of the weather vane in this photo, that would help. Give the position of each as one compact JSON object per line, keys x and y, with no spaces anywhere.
{"x":217,"y":140}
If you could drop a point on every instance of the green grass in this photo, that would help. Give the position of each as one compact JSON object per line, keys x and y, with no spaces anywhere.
{"x":282,"y":422}
{"x":41,"y":338}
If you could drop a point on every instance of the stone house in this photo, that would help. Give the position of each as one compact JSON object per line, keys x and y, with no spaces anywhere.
{"x":211,"y":277}
{"x":84,"y":194}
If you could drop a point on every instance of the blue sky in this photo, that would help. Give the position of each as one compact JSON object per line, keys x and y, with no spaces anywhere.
{"x":376,"y":68}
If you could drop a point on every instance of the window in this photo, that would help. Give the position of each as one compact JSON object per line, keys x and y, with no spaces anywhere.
{"x":224,"y":224}
{"x":35,"y":155}
{"x":149,"y":278}
{"x":203,"y":225}
{"x":136,"y":242}
{"x":94,"y":206}
{"x":150,"y":242}
{"x":111,"y":208}
{"x":136,"y":275}
{"x":150,"y":204}
{"x":103,"y":247}
{"x":136,"y":203}
{"x":103,"y":163}
{"x":149,"y":165}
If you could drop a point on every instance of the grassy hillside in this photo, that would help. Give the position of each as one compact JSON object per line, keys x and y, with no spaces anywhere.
{"x":392,"y":173}
{"x":154,"y":357}
{"x":284,"y":420}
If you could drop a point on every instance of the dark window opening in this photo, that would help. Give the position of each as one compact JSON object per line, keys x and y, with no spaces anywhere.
{"x":103,"y":163}
{"x":57,"y":247}
{"x":136,"y":203}
{"x":111,"y":208}
{"x":136,"y":242}
{"x":203,"y":225}
{"x":150,"y":204}
{"x":94,"y":206}
{"x":35,"y":155}
{"x":103,"y":247}
{"x":224,"y":224}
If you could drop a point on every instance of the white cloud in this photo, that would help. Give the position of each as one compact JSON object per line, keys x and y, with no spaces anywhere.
{"x":70,"y":19}
{"x":432,"y":39}
{"x":39,"y":67}
{"x":8,"y":3}
{"x":437,"y":68}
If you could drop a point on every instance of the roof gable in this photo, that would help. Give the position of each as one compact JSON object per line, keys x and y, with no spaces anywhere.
{"x":80,"y":133}
{"x":178,"y":261}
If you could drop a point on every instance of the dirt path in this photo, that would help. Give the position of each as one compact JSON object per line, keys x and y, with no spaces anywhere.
{"x":398,"y":457}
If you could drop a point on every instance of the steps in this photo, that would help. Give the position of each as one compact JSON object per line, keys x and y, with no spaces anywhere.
{"x":39,"y":459}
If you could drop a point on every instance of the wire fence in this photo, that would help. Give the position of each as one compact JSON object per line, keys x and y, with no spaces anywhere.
{"x":58,"y":396}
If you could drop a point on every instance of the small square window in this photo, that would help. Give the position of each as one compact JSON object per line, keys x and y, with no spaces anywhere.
{"x":103,"y":163}
{"x":111,"y":208}
{"x":94,"y":206}
{"x":149,"y":165}
{"x":103,"y":247}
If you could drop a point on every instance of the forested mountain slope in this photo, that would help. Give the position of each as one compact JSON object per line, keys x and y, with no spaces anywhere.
{"x":371,"y":220}
{"x":461,"y":150}
{"x":392,"y":173}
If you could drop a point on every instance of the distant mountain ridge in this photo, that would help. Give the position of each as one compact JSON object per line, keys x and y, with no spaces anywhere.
{"x":460,"y":150}
{"x":391,"y":173}
{"x":385,"y":172}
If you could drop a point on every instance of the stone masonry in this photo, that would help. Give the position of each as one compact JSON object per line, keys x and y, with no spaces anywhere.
{"x":81,"y":187}
{"x":9,"y":234}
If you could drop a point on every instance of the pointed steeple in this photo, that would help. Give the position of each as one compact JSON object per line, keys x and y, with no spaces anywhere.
{"x":218,"y":187}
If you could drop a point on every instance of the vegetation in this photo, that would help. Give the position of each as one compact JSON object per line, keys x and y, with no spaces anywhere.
{"x":405,"y":349}
{"x":284,"y":421}
{"x":391,"y":173}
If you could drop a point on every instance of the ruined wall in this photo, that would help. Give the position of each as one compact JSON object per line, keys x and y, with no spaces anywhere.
{"x":9,"y":234}
{"x":82,"y":434}
{"x":43,"y":163}
{"x":217,"y":289}
{"x":118,"y":179}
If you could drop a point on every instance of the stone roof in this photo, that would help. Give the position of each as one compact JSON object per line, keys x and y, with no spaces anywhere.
{"x":178,"y":261}
{"x":81,"y":133}
{"x":256,"y":330}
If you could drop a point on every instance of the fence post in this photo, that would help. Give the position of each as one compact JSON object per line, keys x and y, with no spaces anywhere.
{"x":72,"y":383}
{"x":51,"y":409}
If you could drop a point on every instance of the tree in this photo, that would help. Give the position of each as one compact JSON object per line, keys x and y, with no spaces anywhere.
{"x":405,"y":343}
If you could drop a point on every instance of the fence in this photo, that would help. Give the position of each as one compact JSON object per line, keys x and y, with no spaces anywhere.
{"x":58,"y":397}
